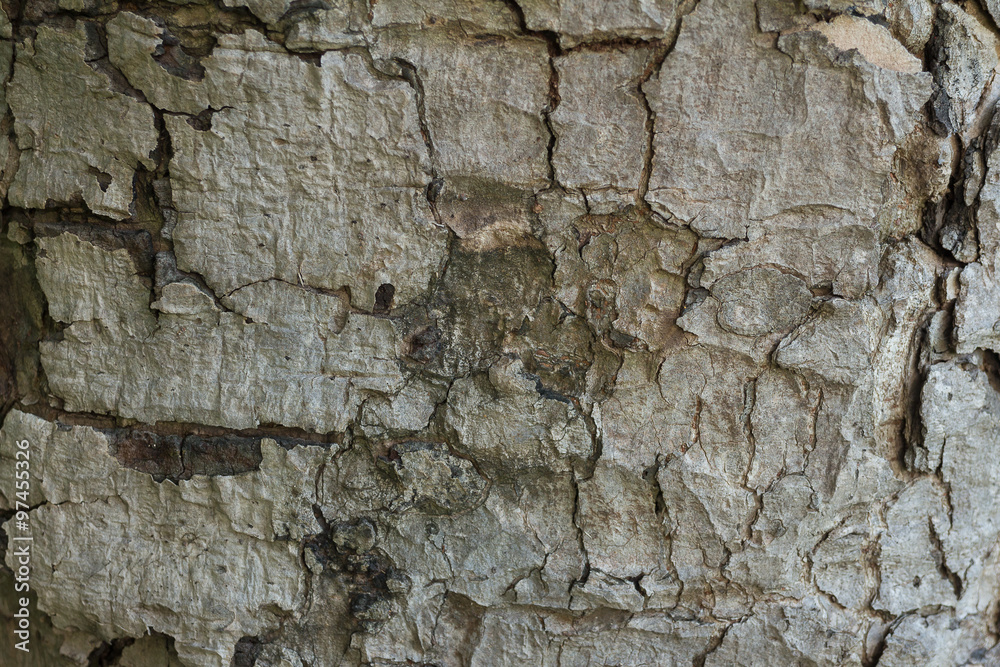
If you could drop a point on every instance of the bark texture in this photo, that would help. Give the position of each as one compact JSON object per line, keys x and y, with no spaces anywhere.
{"x":502,"y":332}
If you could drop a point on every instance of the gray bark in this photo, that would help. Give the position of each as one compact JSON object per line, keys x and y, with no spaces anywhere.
{"x":497,"y":332}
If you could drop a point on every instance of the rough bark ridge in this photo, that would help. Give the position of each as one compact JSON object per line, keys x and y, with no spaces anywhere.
{"x":503,"y":332}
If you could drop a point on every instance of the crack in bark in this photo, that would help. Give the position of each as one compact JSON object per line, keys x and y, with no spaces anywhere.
{"x":714,"y":643}
{"x":937,"y":549}
{"x":551,"y":40}
{"x":663,"y":48}
{"x":582,"y":579}
{"x":411,"y":75}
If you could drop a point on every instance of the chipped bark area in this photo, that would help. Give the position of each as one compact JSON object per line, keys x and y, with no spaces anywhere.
{"x":503,"y":332}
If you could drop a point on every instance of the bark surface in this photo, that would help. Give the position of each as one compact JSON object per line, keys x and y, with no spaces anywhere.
{"x":502,"y":332}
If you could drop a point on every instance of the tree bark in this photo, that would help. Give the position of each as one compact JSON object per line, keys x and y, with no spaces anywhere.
{"x":499,"y":332}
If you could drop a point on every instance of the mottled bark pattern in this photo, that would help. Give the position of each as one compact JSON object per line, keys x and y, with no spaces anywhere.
{"x":502,"y":332}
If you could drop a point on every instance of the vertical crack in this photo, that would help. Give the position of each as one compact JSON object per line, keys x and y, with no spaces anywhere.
{"x":554,"y":100}
{"x":582,"y":579}
{"x":663,"y":48}
{"x":551,"y":40}
{"x":713,"y":645}
{"x":412,"y":77}
{"x":937,"y":549}
{"x":749,"y":401}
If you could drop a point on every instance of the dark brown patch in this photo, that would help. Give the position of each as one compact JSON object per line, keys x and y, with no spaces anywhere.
{"x":383,"y":298}
{"x":424,"y":344}
{"x":153,"y":454}
{"x":22,"y":325}
{"x":219,"y":456}
{"x":176,"y":456}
